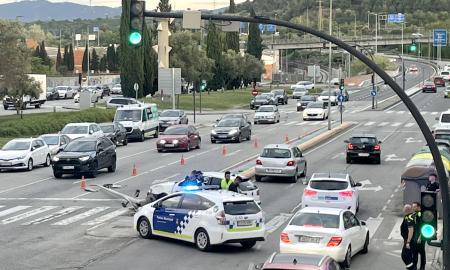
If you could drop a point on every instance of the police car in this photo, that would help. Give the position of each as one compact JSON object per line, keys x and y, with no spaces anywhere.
{"x":211,"y":179}
{"x":204,"y":217}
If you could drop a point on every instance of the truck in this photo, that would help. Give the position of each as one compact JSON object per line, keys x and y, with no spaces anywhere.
{"x":29,"y":101}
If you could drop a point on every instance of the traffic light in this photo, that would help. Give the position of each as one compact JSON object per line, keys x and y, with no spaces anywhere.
{"x":341,"y":85}
{"x":413,"y":46}
{"x":137,"y":20}
{"x":428,"y":226}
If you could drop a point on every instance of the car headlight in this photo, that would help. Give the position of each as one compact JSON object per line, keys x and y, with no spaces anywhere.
{"x":175,"y":141}
{"x":173,"y":122}
{"x":213,"y":132}
{"x":299,"y":104}
{"x":85,"y":158}
{"x":162,"y":141}
{"x":233,"y":131}
{"x":21,"y":157}
{"x":55,"y":159}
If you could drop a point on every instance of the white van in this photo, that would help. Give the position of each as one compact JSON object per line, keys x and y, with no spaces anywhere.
{"x":140,"y":120}
{"x":444,"y":118}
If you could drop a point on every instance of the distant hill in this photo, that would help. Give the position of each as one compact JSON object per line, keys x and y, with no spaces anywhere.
{"x":43,"y":10}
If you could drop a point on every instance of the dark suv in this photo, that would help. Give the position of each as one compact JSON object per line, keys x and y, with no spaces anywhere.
{"x":85,"y":156}
{"x":363,"y":146}
{"x":280,"y":96}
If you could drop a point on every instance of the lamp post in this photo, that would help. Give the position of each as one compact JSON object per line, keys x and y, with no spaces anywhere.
{"x":330,"y":70}
{"x":376,"y":28}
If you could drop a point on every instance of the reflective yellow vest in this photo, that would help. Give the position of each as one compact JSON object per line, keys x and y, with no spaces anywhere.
{"x":224,"y":184}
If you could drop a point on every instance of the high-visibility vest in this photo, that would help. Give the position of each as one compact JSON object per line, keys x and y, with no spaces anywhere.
{"x":224,"y":184}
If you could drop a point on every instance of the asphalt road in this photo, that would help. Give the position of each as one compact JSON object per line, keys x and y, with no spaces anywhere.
{"x":51,"y":224}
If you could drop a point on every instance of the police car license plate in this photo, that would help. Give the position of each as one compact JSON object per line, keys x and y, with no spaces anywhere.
{"x":308,"y":239}
{"x":169,"y":145}
{"x":68,"y":167}
{"x":241,"y":223}
{"x":363,"y":154}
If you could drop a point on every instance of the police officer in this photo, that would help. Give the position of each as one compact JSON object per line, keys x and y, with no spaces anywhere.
{"x":227,"y":181}
{"x":432,"y":185}
{"x":235,"y":185}
{"x":419,"y":244}
{"x":407,"y":232}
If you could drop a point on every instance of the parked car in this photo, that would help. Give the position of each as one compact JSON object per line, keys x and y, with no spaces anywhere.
{"x":316,"y":111}
{"x":363,"y":146}
{"x":304,"y":101}
{"x":172,"y":117}
{"x":267,"y":114}
{"x":429,"y":87}
{"x":325,"y":95}
{"x":299,"y":92}
{"x":439,"y":81}
{"x":24,"y":154}
{"x":179,"y":137}
{"x":52,"y":94}
{"x":299,"y":261}
{"x":280,"y":96}
{"x":116,"y":89}
{"x":55,"y":142}
{"x":94,"y":94}
{"x":280,"y":160}
{"x":121,"y":101}
{"x":85,"y":156}
{"x":307,"y":84}
{"x":231,"y":129}
{"x":78,"y":130}
{"x":116,"y":132}
{"x":105,"y":90}
{"x":65,"y":91}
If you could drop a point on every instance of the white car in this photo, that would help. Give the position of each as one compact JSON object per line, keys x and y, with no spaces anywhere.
{"x":65,"y":91}
{"x":299,"y":92}
{"x":205,"y":217}
{"x":211,"y":179}
{"x":24,"y":154}
{"x":95,"y":95}
{"x":55,"y":142}
{"x":307,"y":84}
{"x":325,"y":95}
{"x":116,"y":89}
{"x":444,"y":118}
{"x":326,"y":231}
{"x":335,"y":190}
{"x":78,"y":130}
{"x":413,"y":68}
{"x":315,"y":111}
{"x":267,"y":114}
{"x":115,"y":102}
{"x":445,"y":75}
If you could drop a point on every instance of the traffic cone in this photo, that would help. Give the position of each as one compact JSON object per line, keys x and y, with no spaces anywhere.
{"x":255,"y":143}
{"x":286,"y":138}
{"x":83,"y":183}
{"x":182,"y":160}
{"x":134,"y":171}
{"x":224,"y":150}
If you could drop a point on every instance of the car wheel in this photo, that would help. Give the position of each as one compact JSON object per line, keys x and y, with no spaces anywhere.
{"x":125,"y":141}
{"x":239,"y":138}
{"x":5,"y":107}
{"x":258,"y":178}
{"x":188,"y":147}
{"x":378,"y":160}
{"x":142,"y":138}
{"x":30,"y":165}
{"x":47,"y":161}
{"x":94,"y":171}
{"x":304,"y":171}
{"x":57,"y":174}
{"x":295,"y":177}
{"x":357,"y":206}
{"x":213,"y":141}
{"x":202,"y":240}
{"x":348,"y":258}
{"x":198,"y":144}
{"x":254,"y":123}
{"x":112,"y":168}
{"x":248,"y":244}
{"x":156,"y":133}
{"x":144,"y":228}
{"x":249,"y":137}
{"x":366,"y":245}
{"x":348,"y":160}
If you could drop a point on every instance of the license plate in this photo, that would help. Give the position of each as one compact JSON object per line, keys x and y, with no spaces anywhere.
{"x":331,"y":198}
{"x":363,"y":154}
{"x":68,"y":167}
{"x":5,"y":163}
{"x":273,"y":171}
{"x":169,"y":145}
{"x":222,"y":136}
{"x":308,"y":239}
{"x":241,"y":223}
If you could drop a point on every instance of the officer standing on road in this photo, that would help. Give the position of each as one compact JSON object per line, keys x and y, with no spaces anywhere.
{"x":419,"y":244}
{"x":407,"y":232}
{"x":227,"y":181}
{"x":432,"y":185}
{"x":235,"y":185}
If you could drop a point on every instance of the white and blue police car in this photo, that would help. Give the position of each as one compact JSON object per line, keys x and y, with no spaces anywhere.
{"x":203,"y":217}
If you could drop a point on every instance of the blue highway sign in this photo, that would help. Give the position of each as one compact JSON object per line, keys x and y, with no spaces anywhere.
{"x":440,"y":37}
{"x":341,"y":98}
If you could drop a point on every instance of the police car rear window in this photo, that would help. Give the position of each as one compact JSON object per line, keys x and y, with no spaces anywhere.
{"x":241,"y":208}
{"x":328,"y":185}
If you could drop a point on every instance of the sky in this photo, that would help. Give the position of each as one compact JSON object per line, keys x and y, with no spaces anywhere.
{"x":150,"y":4}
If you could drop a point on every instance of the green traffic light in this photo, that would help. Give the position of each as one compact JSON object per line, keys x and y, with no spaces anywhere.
{"x":427,"y":231}
{"x":413,"y":48}
{"x":135,"y":38}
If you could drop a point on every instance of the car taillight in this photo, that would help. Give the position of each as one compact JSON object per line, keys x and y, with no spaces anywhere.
{"x":377,"y":147}
{"x":290,"y":163}
{"x":346,"y":193}
{"x":308,"y":192}
{"x":258,"y":162}
{"x":350,"y":146}
{"x":257,"y":192}
{"x":284,"y":237}
{"x":221,"y":218}
{"x":334,"y":241}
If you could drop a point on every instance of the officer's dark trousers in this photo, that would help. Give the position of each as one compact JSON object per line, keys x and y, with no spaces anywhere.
{"x":419,"y":249}
{"x":408,"y":258}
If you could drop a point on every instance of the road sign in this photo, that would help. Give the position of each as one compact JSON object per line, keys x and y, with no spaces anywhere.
{"x":254,"y":92}
{"x":341,"y":98}
{"x":136,"y":86}
{"x":267,"y":28}
{"x":95,"y":29}
{"x":440,"y":37}
{"x":373,"y":93}
{"x":396,"y":18}
{"x":341,"y":108}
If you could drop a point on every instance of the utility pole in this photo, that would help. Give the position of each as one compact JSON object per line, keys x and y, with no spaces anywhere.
{"x":330,"y":70}
{"x":88,"y":71}
{"x":320,"y":16}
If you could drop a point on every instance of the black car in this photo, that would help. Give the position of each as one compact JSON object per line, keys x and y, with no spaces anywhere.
{"x":260,"y":100}
{"x":231,"y":129}
{"x":280,"y":96}
{"x":52,"y":94}
{"x":172,"y":117}
{"x":304,"y":101}
{"x":363,"y":146}
{"x":85,"y":156}
{"x":116,"y":132}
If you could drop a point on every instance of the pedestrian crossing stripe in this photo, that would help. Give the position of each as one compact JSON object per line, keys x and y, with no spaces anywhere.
{"x":369,"y":123}
{"x":55,"y":215}
{"x":106,"y":217}
{"x":81,"y":216}
{"x":409,"y":125}
{"x":27,"y":214}
{"x":396,"y":124}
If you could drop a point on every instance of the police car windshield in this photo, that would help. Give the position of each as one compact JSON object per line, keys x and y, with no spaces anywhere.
{"x":316,"y":220}
{"x":443,"y":136}
{"x":128,"y":115}
{"x":276,"y":153}
{"x":241,"y":208}
{"x":229,"y":123}
{"x":445,"y":118}
{"x":246,"y":186}
{"x":328,"y":184}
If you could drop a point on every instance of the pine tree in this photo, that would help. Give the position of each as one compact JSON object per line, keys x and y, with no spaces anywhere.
{"x":59,"y":62}
{"x":84,"y":65}
{"x":254,"y":44}
{"x":214,"y":50}
{"x":94,"y":61}
{"x":232,"y":38}
{"x":71,"y":61}
{"x":164,"y":6}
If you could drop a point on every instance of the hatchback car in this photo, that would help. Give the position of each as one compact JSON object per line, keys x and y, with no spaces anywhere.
{"x":304,"y":101}
{"x":78,"y":130}
{"x":24,"y":154}
{"x":307,"y":84}
{"x":363,"y":146}
{"x":439,"y":81}
{"x":326,"y":231}
{"x":261,"y":100}
{"x":280,"y":161}
{"x":267,"y":114}
{"x":325,"y":96}
{"x":116,"y":132}
{"x":231,"y":129}
{"x":65,"y":91}
{"x":429,"y":87}
{"x":116,"y":89}
{"x":179,"y":137}
{"x":85,"y":156}
{"x":55,"y":142}
{"x":52,"y":94}
{"x":234,"y":115}
{"x":299,"y":261}
{"x":299,"y":92}
{"x":172,"y":117}
{"x":335,"y":190}
{"x":280,"y":96}
{"x":445,"y":75}
{"x":315,"y":111}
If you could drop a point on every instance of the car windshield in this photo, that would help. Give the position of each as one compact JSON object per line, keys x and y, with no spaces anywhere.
{"x":80,"y":146}
{"x":276,"y":153}
{"x":170,"y":114}
{"x":363,"y":140}
{"x":16,"y":145}
{"x":315,"y":105}
{"x":247,"y":186}
{"x":229,"y":123}
{"x":51,"y":139}
{"x":442,"y":136}
{"x":316,"y":220}
{"x":176,"y":131}
{"x":75,"y":130}
{"x":445,"y":118}
{"x":325,"y":93}
{"x":107,"y":128}
{"x":328,"y":184}
{"x":268,"y":95}
{"x":445,"y":73}
{"x":265,"y":109}
{"x":61,"y":88}
{"x":308,"y":98}
{"x":429,"y":83}
{"x":241,"y":208}
{"x":261,"y":97}
{"x":119,"y":101}
{"x":228,"y":116}
{"x":303,"y":83}
{"x":128,"y":115}
{"x":278,"y":92}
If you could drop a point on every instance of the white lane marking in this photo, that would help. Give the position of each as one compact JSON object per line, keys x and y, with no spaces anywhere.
{"x":389,"y":112}
{"x":165,"y":179}
{"x":400,"y":112}
{"x":136,"y":154}
{"x":423,"y":113}
{"x":409,"y":125}
{"x":28,"y":214}
{"x":290,"y":123}
{"x":276,"y":222}
{"x":395,"y":233}
{"x":165,"y":154}
{"x":81,"y":216}
{"x":434,"y":113}
{"x":60,"y":199}
{"x":234,"y":153}
{"x":26,"y":185}
{"x":106,"y":217}
{"x":314,"y":123}
{"x":396,"y":124}
{"x":49,"y":217}
{"x":1,"y":206}
{"x":301,"y":123}
{"x":157,"y":168}
{"x":382,"y":124}
{"x":373,"y":224}
{"x":369,"y":124}
{"x":13,"y":210}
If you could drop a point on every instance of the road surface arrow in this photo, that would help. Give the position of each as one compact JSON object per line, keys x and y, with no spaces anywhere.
{"x":394,"y":157}
{"x":367,"y":182}
{"x":412,"y":140}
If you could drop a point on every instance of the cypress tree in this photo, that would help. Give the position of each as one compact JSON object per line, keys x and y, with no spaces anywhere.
{"x":43,"y":55}
{"x":254,"y":44}
{"x":65,"y":61}
{"x":164,"y":6}
{"x":37,"y":51}
{"x":59,"y":61}
{"x":102,"y":66}
{"x":111,"y":58}
{"x":149,"y":63}
{"x":71,"y":61}
{"x":84,"y":65}
{"x":94,"y":61}
{"x":214,"y":50}
{"x":232,"y":38}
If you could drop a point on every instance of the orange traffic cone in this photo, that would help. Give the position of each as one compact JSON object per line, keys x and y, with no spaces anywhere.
{"x":286,"y":138}
{"x":224,"y":150}
{"x":134,"y":171}
{"x":255,"y":143}
{"x":182,"y":160}
{"x":83,"y":183}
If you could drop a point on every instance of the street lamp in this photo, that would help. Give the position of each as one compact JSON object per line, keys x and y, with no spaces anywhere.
{"x":330,"y":70}
{"x":376,"y":27}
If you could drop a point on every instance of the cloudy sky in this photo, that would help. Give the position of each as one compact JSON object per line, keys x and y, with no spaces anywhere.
{"x":176,"y":4}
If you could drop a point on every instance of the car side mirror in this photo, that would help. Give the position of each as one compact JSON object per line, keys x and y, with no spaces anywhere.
{"x":363,"y":223}
{"x":91,"y":132}
{"x":379,"y":141}
{"x":99,"y":150}
{"x":217,"y":120}
{"x":358,"y":185}
{"x":33,"y":148}
{"x":347,"y":141}
{"x":258,"y":266}
{"x":214,"y":125}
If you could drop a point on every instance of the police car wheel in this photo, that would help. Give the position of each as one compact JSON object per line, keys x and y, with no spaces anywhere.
{"x":202,"y":240}
{"x":144,"y":229}
{"x":248,"y":244}
{"x":348,"y":258}
{"x":366,"y":245}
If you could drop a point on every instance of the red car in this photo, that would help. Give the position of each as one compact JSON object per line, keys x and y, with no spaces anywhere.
{"x":179,"y":137}
{"x":286,"y":261}
{"x":439,"y":81}
{"x":429,"y":87}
